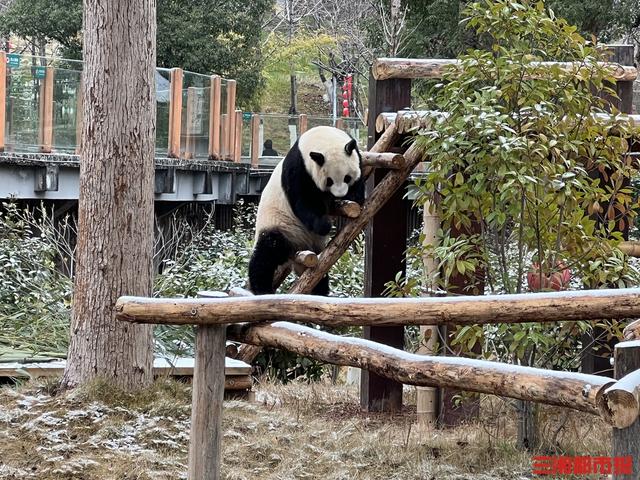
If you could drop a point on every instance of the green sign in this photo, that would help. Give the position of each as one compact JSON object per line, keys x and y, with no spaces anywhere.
{"x":246,"y":115}
{"x":39,"y":72}
{"x":13,"y":60}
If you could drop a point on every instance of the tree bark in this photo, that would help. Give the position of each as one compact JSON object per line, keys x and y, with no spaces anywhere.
{"x":115,"y":231}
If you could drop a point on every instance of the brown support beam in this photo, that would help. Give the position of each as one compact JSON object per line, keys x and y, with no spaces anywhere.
{"x":214,"y":117}
{"x":255,"y":140}
{"x":231,"y":118}
{"x":626,"y":441}
{"x":302,"y":123}
{"x":175,"y":113}
{"x":386,"y":242}
{"x":3,"y":98}
{"x":46,"y":109}
{"x":205,"y":443}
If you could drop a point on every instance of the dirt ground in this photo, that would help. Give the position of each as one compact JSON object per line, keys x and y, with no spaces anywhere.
{"x":297,"y":431}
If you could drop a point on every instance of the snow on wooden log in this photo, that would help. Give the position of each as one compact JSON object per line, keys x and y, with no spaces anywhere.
{"x":338,"y":312}
{"x":391,"y":182}
{"x":345,"y":208}
{"x":621,"y":401}
{"x":573,"y":390}
{"x":389,"y":160}
{"x":384,"y":143}
{"x":386,"y":68}
{"x":632,"y":331}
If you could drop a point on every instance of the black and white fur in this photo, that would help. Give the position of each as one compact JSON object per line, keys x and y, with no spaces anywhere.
{"x":323,"y":165}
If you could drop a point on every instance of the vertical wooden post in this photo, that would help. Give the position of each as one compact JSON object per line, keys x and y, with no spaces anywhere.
{"x":626,"y":441}
{"x":189,"y":140}
{"x":302,"y":126}
{"x":205,"y":443}
{"x":175,"y":113}
{"x":3,"y":97}
{"x":255,"y":140}
{"x":386,"y":241}
{"x":231,"y":124}
{"x":237,"y":147}
{"x":427,"y":397}
{"x":46,"y":109}
{"x":79,"y":100}
{"x":214,"y":117}
{"x":340,"y":123}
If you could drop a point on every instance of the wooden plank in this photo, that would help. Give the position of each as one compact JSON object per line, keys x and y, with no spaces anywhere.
{"x":175,"y":113}
{"x":255,"y":140}
{"x":231,"y":127}
{"x":3,"y":98}
{"x":237,"y":144}
{"x":214,"y":117}
{"x":407,"y":68}
{"x":578,"y":391}
{"x":626,"y":441}
{"x":46,"y":100}
{"x":205,"y":442}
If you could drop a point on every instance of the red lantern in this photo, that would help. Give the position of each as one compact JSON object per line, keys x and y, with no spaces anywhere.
{"x":345,"y":112}
{"x":345,"y":103}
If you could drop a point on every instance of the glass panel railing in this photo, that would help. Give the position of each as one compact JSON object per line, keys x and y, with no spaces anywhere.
{"x":66,"y":109}
{"x":196,"y":95}
{"x":277,"y":133}
{"x":163,"y":107}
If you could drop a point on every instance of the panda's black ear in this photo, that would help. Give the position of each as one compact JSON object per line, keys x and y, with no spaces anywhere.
{"x":351,"y":146}
{"x":317,"y":157}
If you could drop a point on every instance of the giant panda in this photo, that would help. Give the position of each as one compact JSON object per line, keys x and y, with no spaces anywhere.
{"x":293,"y":214}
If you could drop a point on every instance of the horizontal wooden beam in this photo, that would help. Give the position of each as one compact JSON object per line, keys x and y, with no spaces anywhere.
{"x":389,"y":160}
{"x":567,"y":389}
{"x":306,"y":258}
{"x":339,"y":312}
{"x":631,"y":248}
{"x":386,"y":68}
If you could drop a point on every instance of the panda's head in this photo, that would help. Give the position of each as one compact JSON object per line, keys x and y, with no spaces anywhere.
{"x":332,"y":159}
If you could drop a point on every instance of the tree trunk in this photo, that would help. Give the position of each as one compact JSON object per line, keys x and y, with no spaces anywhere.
{"x":115,"y":231}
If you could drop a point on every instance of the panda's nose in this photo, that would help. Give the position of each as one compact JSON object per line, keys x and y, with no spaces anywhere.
{"x":339,"y":190}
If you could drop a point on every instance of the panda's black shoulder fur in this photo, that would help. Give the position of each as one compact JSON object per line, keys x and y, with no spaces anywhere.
{"x":307,"y":201}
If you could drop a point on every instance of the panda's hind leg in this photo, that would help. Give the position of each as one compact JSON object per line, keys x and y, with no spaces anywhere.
{"x":271,"y":250}
{"x":322,"y":288}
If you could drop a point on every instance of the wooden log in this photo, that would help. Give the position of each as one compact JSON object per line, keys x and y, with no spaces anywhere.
{"x":386,"y":68}
{"x":46,"y":121}
{"x":214,"y":117}
{"x":621,"y":401}
{"x":3,"y":97}
{"x":205,"y":441}
{"x":175,"y":113}
{"x":339,"y":312}
{"x":631,"y":248}
{"x":566,"y":389}
{"x":255,"y":140}
{"x":238,"y":382}
{"x":384,"y":143}
{"x":392,"y":161}
{"x":345,"y":208}
{"x":384,"y":120}
{"x":306,"y":258}
{"x":632,"y":331}
{"x":626,"y":441}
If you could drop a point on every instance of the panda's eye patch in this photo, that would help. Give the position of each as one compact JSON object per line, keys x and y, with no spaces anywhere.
{"x":347,"y":178}
{"x":329,"y":182}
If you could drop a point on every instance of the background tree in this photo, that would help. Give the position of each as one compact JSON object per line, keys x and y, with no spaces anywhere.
{"x":115,"y":226}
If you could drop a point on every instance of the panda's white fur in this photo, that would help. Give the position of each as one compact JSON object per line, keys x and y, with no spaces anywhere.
{"x":324,"y":164}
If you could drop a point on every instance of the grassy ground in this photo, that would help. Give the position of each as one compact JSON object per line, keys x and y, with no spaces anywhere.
{"x":297,"y":431}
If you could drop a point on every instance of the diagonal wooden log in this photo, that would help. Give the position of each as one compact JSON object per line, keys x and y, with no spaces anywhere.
{"x":341,"y":312}
{"x":572,"y":390}
{"x":345,"y":208}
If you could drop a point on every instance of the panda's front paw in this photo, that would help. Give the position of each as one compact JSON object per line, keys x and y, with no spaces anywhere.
{"x":322,"y":226}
